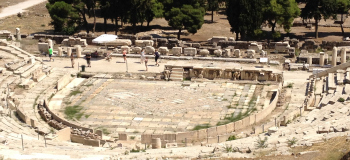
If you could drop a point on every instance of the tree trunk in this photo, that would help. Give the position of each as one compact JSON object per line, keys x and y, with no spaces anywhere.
{"x":93,"y":29}
{"x":316,"y":28}
{"x":85,"y":22}
{"x":212,"y":16}
{"x":116,"y":26}
{"x":134,"y":27}
{"x":148,"y":23}
{"x":341,"y":26}
{"x":179,"y":34}
{"x":236,"y":36}
{"x":105,"y":24}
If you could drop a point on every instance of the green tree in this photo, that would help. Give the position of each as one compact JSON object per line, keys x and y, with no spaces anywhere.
{"x":343,"y":7}
{"x":212,"y":5}
{"x":106,"y":11}
{"x":63,"y":17}
{"x":184,"y":14}
{"x":318,"y":9}
{"x":281,"y":12}
{"x":245,"y":16}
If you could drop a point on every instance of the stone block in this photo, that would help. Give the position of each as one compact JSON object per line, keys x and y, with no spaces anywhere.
{"x":127,"y":49}
{"x":202,"y":134}
{"x":149,"y":50}
{"x":144,"y":43}
{"x":218,"y":52}
{"x":62,"y":82}
{"x":170,"y":137}
{"x":250,"y":53}
{"x":146,"y":138}
{"x":230,"y":127}
{"x":43,"y":47}
{"x":227,"y":53}
{"x":33,"y":123}
{"x":204,"y":52}
{"x":120,"y":42}
{"x":216,"y":39}
{"x":64,"y":134}
{"x":91,"y":142}
{"x":137,"y":50}
{"x":176,"y":51}
{"x":77,"y":138}
{"x":24,"y":118}
{"x":238,"y":125}
{"x":99,"y":132}
{"x":221,"y":130}
{"x":123,"y":136}
{"x":237,"y":53}
{"x":163,"y":50}
{"x":190,"y":51}
{"x":212,"y":132}
{"x":255,"y":46}
{"x":196,"y":45}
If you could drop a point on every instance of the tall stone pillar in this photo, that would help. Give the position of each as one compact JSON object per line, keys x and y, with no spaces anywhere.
{"x":322,"y":59}
{"x":49,"y":41}
{"x":334,"y":56}
{"x":18,"y":34}
{"x":78,"y":49}
{"x":309,"y":60}
{"x":69,"y":51}
{"x":343,"y":55}
{"x":59,"y":51}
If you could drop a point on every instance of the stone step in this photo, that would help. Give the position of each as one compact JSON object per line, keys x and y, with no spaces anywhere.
{"x":28,"y":72}
{"x":176,"y":79}
{"x":176,"y":76}
{"x":177,"y":70}
{"x":330,"y":81}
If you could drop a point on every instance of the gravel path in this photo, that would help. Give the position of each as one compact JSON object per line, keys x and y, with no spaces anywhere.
{"x":20,"y":7}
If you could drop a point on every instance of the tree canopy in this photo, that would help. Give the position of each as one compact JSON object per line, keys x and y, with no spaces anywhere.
{"x":184,"y":14}
{"x":318,"y":9}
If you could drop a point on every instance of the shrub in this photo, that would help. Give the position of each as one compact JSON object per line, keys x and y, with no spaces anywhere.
{"x":231,"y":138}
{"x":292,"y":141}
{"x":261,"y":143}
{"x":341,"y":100}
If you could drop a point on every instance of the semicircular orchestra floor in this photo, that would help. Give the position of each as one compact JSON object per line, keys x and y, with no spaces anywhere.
{"x":135,"y":106}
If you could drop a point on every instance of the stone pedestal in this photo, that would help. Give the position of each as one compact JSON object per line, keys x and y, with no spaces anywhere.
{"x":343,"y":55}
{"x":60,"y":51}
{"x":69,"y":51}
{"x":18,"y":34}
{"x":49,"y":41}
{"x":321,"y":59}
{"x":309,"y":60}
{"x":334,"y":56}
{"x":156,"y":143}
{"x":78,"y":49}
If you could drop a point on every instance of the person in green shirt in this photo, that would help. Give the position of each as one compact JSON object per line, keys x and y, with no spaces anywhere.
{"x":50,"y":53}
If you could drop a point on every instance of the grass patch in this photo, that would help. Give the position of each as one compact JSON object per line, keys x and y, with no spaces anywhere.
{"x":201,"y":126}
{"x":73,"y":112}
{"x":231,"y":138}
{"x":292,"y":141}
{"x":341,"y":100}
{"x":231,"y":118}
{"x":290,"y":85}
{"x":75,"y":92}
{"x":132,"y":137}
{"x":261,"y":143}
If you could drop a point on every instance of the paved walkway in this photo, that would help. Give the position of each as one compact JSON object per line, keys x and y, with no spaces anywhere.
{"x":20,"y":7}
{"x":117,"y":64}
